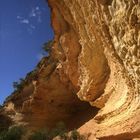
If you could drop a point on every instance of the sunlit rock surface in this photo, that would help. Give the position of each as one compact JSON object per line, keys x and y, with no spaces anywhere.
{"x":95,"y":59}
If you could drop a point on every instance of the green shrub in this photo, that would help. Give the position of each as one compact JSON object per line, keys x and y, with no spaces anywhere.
{"x":13,"y":133}
{"x":47,"y":46}
{"x":1,"y":106}
{"x":42,"y":134}
{"x":3,"y":135}
{"x":38,"y":136}
{"x":32,"y":75}
{"x":19,"y":85}
{"x":75,"y":135}
{"x":59,"y":130}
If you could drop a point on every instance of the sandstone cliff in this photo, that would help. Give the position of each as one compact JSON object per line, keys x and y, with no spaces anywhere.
{"x":95,"y":59}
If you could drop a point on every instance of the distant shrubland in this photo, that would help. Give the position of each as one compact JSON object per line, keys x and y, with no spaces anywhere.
{"x":16,"y":133}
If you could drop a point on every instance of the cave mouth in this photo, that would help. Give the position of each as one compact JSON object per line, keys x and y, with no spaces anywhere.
{"x":81,"y":114}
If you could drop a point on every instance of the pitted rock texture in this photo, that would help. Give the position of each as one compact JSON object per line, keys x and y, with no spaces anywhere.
{"x":109,"y":59}
{"x":95,"y":58}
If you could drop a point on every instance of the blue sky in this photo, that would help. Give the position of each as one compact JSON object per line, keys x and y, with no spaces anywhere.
{"x":24,"y":27}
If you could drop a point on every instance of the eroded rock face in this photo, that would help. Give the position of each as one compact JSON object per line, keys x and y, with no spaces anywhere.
{"x":109,"y":60}
{"x":95,"y":58}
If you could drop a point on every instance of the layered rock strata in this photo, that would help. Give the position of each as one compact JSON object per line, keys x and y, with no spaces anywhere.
{"x":95,"y":58}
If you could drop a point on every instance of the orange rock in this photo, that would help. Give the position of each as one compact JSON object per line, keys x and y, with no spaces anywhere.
{"x":95,"y":58}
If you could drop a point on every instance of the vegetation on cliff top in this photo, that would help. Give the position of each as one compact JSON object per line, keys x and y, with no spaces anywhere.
{"x":47,"y":46}
{"x":33,"y":75}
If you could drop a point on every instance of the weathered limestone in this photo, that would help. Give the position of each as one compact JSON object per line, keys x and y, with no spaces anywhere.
{"x":109,"y":59}
{"x":95,"y":58}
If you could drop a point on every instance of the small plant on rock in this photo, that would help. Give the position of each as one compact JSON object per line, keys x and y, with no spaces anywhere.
{"x":47,"y":46}
{"x":59,"y":130}
{"x":13,"y":133}
{"x":19,"y":85}
{"x":39,"y":135}
{"x":74,"y":135}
